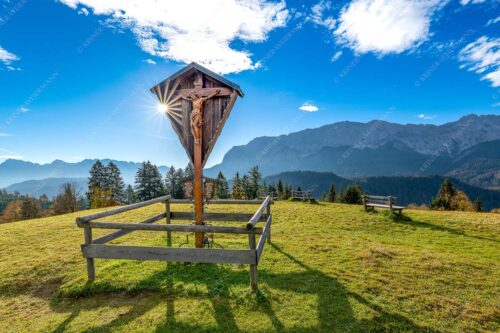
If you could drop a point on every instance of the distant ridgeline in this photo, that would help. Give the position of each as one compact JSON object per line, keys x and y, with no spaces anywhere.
{"x":466,"y":150}
{"x":408,"y":190}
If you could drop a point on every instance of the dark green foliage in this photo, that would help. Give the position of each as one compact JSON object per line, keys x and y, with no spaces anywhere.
{"x":353,"y":194}
{"x":445,"y":196}
{"x":255,"y":178}
{"x":30,"y":208}
{"x":114,"y":182}
{"x":173,"y":182}
{"x":148,"y":182}
{"x":331,"y":195}
{"x":478,"y":205}
{"x":341,"y":196}
{"x":130,"y":196}
{"x":221,"y":187}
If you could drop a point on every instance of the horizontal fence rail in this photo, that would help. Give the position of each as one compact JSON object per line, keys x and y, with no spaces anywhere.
{"x":97,"y":248}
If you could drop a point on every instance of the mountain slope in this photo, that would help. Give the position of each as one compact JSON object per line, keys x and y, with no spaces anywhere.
{"x":376,"y":148}
{"x":48,"y":186}
{"x":15,"y":171}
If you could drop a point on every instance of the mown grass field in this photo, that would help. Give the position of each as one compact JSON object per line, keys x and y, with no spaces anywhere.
{"x":331,"y":268}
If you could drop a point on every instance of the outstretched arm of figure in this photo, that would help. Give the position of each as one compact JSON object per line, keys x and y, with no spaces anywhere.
{"x":211,"y":96}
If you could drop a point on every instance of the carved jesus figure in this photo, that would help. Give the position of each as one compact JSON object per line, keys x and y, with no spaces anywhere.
{"x":197,"y":113}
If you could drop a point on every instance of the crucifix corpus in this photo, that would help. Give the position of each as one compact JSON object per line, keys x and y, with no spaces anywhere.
{"x":197,"y":102}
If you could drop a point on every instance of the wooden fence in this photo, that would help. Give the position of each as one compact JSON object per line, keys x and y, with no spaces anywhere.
{"x":302,"y":195}
{"x":97,"y":248}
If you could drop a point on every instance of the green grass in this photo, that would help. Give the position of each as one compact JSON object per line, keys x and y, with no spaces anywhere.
{"x":331,"y":268}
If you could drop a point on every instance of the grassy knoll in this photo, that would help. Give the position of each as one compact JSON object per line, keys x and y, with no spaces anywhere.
{"x":331,"y":268}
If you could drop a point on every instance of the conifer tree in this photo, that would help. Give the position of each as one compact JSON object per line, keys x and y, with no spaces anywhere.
{"x":478,"y":205}
{"x":237,"y":191}
{"x":30,"y":208}
{"x":148,"y":182}
{"x":130,"y":197}
{"x":330,"y":196}
{"x":188,"y":171}
{"x":115,"y":183}
{"x":280,"y":189}
{"x":255,"y":178}
{"x":341,"y":196}
{"x":245,"y":184}
{"x":221,"y":187}
{"x":96,"y":182}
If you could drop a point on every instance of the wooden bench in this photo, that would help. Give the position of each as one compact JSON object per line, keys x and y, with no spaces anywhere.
{"x":302,"y":195}
{"x":370,"y":202}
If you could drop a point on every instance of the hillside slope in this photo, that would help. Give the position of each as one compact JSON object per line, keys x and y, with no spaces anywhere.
{"x":331,"y":268}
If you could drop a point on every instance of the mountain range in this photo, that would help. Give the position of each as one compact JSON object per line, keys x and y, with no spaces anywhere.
{"x":467,"y":149}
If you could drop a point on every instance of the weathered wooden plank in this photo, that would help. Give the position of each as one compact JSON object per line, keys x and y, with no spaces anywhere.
{"x":262,"y":241}
{"x":120,"y":233}
{"x":169,"y":227}
{"x":169,"y":254}
{"x":227,"y":217}
{"x":258,"y":214}
{"x":121,"y":209}
{"x":87,"y":233}
{"x":253,"y":266}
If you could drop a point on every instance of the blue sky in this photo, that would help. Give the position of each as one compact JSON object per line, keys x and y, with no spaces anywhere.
{"x":75,"y":75}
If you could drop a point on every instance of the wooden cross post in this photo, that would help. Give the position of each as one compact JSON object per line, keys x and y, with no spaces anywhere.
{"x":198,"y":96}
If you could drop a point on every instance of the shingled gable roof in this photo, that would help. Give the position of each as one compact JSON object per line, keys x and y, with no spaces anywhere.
{"x":205,"y":71}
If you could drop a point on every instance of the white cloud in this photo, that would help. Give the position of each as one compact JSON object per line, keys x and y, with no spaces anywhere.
{"x":150,"y":61}
{"x":191,"y":30}
{"x":83,"y":11}
{"x":426,"y":116}
{"x":386,"y":26}
{"x":308,"y":107}
{"x":317,"y":15}
{"x":6,"y":57}
{"x":336,"y":56}
{"x":466,"y":2}
{"x":493,"y":21}
{"x":23,"y":109}
{"x":483,"y":57}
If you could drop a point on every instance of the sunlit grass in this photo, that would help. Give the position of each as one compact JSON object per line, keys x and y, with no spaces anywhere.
{"x":331,"y":268}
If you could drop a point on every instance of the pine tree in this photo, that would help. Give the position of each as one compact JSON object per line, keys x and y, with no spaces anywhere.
{"x":280,"y":189}
{"x":341,"y":196}
{"x":97,"y":182}
{"x":130,"y":197}
{"x":330,"y":196}
{"x":255,"y":178}
{"x":237,"y":191}
{"x":245,"y":184}
{"x":188,"y":171}
{"x":221,"y":187}
{"x":171,"y":182}
{"x":444,"y":199}
{"x":178,"y":191}
{"x":288,"y":192}
{"x":30,"y":208}
{"x":148,"y":182}
{"x":353,"y":194}
{"x":115,"y":184}
{"x":478,"y":205}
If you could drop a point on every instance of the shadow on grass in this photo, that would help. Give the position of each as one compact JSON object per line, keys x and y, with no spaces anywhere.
{"x":333,"y":308}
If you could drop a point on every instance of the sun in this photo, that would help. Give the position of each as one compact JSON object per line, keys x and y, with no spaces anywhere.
{"x":162,"y":108}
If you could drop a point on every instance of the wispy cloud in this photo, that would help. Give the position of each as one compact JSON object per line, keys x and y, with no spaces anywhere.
{"x":336,"y":56}
{"x":426,"y":116}
{"x":7,"y":58}
{"x":483,"y":57}
{"x":191,"y":30}
{"x":308,"y":107}
{"x":150,"y":61}
{"x":5,"y":134}
{"x":23,"y":109}
{"x":386,"y":26}
{"x":317,"y":15}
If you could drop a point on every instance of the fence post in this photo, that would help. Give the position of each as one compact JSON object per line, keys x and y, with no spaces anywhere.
{"x":363,"y":197}
{"x":390,"y":203}
{"x":268,"y":214}
{"x":167,"y":221}
{"x":253,"y":267}
{"x":87,"y":232}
